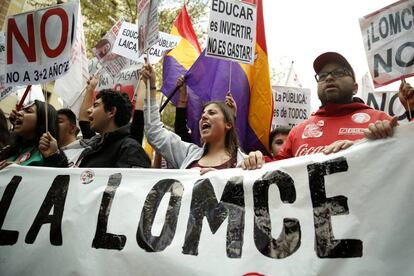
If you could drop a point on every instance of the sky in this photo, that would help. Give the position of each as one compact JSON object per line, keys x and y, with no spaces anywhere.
{"x":300,"y":30}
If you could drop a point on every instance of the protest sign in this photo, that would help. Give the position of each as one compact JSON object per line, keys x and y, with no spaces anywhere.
{"x":232,"y":31}
{"x":5,"y":90}
{"x":39,"y":44}
{"x":127,"y":40}
{"x":389,"y":42}
{"x":386,"y":101}
{"x":320,"y":214}
{"x":70,"y":87}
{"x":125,"y":81}
{"x":291,"y":105}
{"x":147,"y":11}
{"x":103,"y":51}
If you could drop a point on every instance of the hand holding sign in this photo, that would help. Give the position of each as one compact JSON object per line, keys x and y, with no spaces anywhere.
{"x":148,"y":73}
{"x":406,"y":96}
{"x":48,"y":145}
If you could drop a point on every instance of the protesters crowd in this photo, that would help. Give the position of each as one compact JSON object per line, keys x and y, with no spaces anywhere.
{"x":110,"y":139}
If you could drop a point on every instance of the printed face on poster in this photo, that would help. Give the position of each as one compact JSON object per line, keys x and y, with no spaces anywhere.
{"x":103,"y":51}
{"x":147,"y":11}
{"x":232,"y":31}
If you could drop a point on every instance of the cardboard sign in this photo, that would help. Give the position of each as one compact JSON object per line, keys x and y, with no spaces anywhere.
{"x":5,"y":90}
{"x":39,"y":44}
{"x":389,"y":42}
{"x":147,"y":11}
{"x":323,"y":214}
{"x":125,"y":81}
{"x":386,"y":101}
{"x":232,"y":31}
{"x":103,"y":51}
{"x":126,"y":44}
{"x":291,"y":105}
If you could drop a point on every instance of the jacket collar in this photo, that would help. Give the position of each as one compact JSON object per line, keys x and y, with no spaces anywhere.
{"x":336,"y":110}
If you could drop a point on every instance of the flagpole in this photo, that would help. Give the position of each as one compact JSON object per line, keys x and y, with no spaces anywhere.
{"x":46,"y":106}
{"x":84,"y":88}
{"x":169,"y":98}
{"x":230,"y":76}
{"x":148,"y":94}
{"x":290,"y":73}
{"x":136,"y":90}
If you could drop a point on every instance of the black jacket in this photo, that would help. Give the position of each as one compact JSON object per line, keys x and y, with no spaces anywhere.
{"x":136,"y":127}
{"x":115,"y":149}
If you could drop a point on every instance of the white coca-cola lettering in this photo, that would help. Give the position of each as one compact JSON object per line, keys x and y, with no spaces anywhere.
{"x":304,"y":149}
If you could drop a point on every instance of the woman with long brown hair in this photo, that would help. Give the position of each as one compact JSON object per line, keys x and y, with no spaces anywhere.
{"x":217,"y":129}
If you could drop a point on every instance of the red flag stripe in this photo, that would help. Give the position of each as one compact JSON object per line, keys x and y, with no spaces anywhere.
{"x":185,"y":28}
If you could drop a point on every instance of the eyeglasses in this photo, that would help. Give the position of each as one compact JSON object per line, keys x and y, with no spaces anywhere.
{"x":337,"y":73}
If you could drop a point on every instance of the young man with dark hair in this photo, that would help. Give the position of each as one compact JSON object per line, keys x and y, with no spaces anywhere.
{"x":339,"y":122}
{"x":112,"y":147}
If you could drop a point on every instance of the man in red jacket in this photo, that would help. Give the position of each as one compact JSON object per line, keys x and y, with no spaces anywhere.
{"x":339,"y":122}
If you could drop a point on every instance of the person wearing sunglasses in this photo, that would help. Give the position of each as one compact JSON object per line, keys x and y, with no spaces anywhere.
{"x":340,"y":120}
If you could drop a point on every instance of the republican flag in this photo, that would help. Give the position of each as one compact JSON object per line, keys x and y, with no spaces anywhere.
{"x":208,"y":79}
{"x":179,"y":60}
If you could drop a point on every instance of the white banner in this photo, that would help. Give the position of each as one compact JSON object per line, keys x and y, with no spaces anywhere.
{"x":291,"y":105}
{"x":349,"y":213}
{"x":389,"y":42}
{"x":127,"y":40}
{"x":147,"y":11}
{"x":103,"y":51}
{"x":232,"y":31}
{"x":39,"y":44}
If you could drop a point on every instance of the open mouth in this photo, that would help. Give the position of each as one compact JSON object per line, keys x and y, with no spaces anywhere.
{"x":18,"y":122}
{"x":205,"y":125}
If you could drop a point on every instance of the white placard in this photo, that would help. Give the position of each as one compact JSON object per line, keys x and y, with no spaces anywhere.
{"x":103,"y":51}
{"x":126,"y":44}
{"x":291,"y":105}
{"x":147,"y":11}
{"x":5,"y":89}
{"x":232,"y":31}
{"x":389,"y":42}
{"x":39,"y":44}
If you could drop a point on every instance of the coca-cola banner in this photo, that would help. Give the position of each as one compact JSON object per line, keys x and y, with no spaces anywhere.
{"x":349,"y":213}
